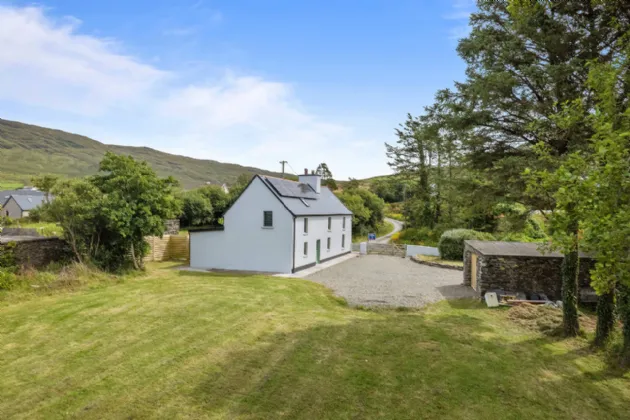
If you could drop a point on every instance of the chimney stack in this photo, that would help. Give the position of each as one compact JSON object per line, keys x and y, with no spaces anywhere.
{"x":313,"y":179}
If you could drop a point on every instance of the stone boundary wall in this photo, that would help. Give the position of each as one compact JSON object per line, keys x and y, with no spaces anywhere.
{"x":382,"y":249}
{"x":172,"y":227}
{"x":39,"y":252}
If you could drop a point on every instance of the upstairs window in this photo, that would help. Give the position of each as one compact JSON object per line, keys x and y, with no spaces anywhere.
{"x":344,"y":223}
{"x":329,"y":223}
{"x":305,"y":225}
{"x":267,"y":219}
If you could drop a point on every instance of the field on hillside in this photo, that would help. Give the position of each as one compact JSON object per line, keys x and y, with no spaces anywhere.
{"x":175,"y":344}
{"x":28,"y":150}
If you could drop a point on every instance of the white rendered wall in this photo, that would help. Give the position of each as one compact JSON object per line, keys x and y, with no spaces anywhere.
{"x":413,"y":250}
{"x":318,"y":229}
{"x":245,"y":244}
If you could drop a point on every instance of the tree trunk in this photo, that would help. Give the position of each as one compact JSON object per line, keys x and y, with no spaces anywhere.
{"x":133,"y":257}
{"x":605,"y":318}
{"x":570,"y":271}
{"x":624,"y":314}
{"x":73,"y":244}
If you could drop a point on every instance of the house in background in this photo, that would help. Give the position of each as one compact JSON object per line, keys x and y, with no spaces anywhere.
{"x":223,"y":186}
{"x":277,"y":226}
{"x":18,"y":203}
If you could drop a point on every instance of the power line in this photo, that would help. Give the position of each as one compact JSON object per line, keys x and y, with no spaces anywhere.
{"x":289,"y":165}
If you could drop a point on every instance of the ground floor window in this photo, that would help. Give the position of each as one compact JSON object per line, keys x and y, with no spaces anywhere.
{"x":343,"y":241}
{"x":328,"y":244}
{"x":305,"y":249}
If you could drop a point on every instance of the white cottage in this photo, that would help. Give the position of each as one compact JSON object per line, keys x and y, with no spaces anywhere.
{"x":277,"y":226}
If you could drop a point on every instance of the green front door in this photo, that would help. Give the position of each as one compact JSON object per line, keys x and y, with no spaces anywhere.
{"x":318,"y":248}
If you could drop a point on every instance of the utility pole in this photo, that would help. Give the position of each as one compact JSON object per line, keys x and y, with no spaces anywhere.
{"x":283,"y":162}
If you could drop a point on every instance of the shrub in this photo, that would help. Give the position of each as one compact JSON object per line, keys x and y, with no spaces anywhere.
{"x":451,"y":244}
{"x":420,"y":236}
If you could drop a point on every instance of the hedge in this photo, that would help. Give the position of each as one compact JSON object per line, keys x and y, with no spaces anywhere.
{"x":451,"y":245}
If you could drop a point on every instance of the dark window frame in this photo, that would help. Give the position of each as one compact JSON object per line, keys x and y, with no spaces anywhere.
{"x":306,"y":225}
{"x":329,"y":223}
{"x":306,"y":249}
{"x":267,"y":213}
{"x":328,"y":242}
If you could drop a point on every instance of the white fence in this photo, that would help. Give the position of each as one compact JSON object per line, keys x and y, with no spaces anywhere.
{"x":422,"y":250}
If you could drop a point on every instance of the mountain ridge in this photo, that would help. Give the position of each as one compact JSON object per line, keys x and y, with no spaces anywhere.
{"x":27,"y":150}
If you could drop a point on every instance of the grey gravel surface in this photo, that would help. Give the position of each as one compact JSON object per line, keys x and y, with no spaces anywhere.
{"x":376,"y":280}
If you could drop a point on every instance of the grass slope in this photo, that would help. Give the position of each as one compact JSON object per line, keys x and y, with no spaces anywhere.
{"x":27,"y":150}
{"x":193,"y":345}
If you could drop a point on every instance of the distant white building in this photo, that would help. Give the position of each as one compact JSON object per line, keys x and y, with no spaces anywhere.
{"x":278,"y":226}
{"x":223,"y":186}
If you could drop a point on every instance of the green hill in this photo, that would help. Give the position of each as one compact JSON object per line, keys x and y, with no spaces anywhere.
{"x":27,"y":150}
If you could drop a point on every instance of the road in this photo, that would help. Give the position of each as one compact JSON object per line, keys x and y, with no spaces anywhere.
{"x":397,"y":228}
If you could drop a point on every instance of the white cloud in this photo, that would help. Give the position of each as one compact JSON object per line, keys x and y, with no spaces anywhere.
{"x":461,"y":11}
{"x":48,"y":64}
{"x":236,"y":118}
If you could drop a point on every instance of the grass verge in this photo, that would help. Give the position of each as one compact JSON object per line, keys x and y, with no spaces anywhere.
{"x":195,"y":345}
{"x":438,"y":260}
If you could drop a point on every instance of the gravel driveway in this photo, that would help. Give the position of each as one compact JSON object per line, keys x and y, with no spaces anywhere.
{"x":376,"y":280}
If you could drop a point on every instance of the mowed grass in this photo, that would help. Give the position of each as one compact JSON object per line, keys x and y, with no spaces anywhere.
{"x":193,"y":345}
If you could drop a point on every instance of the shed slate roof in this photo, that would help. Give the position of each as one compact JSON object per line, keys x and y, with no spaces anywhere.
{"x":28,"y":202}
{"x":5,"y":195}
{"x":311,"y":204}
{"x":513,"y":249}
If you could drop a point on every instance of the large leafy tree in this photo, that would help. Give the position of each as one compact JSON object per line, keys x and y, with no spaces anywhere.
{"x":197,"y":209}
{"x":107,"y":216}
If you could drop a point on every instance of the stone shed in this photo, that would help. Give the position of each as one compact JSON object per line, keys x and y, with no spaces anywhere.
{"x":519,"y":267}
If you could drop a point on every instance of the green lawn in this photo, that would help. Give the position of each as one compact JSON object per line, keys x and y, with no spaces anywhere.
{"x":44,"y":228}
{"x":192,"y":345}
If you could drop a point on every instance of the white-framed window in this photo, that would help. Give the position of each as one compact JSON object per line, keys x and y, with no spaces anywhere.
{"x":305,"y":249}
{"x":328,"y":244}
{"x":343,"y":241}
{"x":329,"y":224}
{"x":344,"y":224}
{"x":306,"y":225}
{"x":267,"y":219}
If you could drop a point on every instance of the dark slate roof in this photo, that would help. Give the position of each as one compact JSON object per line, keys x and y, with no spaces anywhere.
{"x":302,"y":200}
{"x":28,"y":202}
{"x":5,"y":195}
{"x":513,"y":249}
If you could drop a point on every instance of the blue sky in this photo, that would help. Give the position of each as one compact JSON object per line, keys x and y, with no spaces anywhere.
{"x":250,"y":82}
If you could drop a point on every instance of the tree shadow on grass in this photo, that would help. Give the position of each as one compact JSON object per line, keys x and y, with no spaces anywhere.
{"x":408,"y":366}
